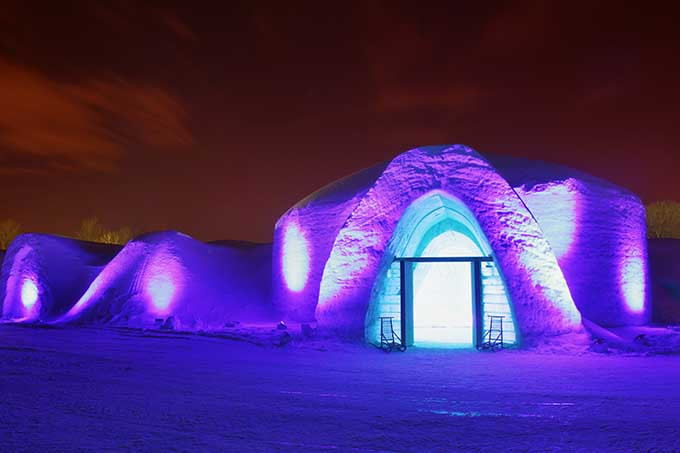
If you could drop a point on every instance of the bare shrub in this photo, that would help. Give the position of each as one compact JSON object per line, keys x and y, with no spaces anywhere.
{"x":92,"y":230}
{"x":120,"y":236}
{"x":663,"y":219}
{"x":9,"y":229}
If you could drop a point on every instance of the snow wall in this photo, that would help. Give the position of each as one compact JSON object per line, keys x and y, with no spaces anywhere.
{"x":42,"y":275}
{"x":171,"y":277}
{"x":664,"y":269}
{"x":331,"y":248}
{"x":597,"y":231}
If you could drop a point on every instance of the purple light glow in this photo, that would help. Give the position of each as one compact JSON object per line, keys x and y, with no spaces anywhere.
{"x":22,"y":296}
{"x":633,"y":283}
{"x":29,"y":293}
{"x":161,"y":289}
{"x":163,"y":279}
{"x":295,"y":258}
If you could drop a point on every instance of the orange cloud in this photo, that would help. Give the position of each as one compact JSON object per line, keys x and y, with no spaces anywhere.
{"x":88,"y":125}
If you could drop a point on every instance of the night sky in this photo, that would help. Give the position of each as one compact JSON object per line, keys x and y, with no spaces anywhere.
{"x":215,"y":119}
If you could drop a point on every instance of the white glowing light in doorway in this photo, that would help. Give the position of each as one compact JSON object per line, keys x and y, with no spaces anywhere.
{"x":442,"y":302}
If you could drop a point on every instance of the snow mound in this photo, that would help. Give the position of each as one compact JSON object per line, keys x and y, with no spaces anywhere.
{"x":42,"y":276}
{"x":172,"y":281}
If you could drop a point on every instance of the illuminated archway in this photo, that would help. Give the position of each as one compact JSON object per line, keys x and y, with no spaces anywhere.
{"x":440,"y":310}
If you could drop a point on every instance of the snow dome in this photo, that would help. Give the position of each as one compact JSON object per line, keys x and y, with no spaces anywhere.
{"x":169,"y":275}
{"x":442,"y":238}
{"x":43,"y":275}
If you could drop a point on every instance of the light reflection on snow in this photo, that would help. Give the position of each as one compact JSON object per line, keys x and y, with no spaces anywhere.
{"x":295,"y":258}
{"x":29,"y":293}
{"x":163,"y":279}
{"x":22,"y":302}
{"x":633,"y":283}
{"x":161,"y":290}
{"x":546,"y":283}
{"x":488,"y":414}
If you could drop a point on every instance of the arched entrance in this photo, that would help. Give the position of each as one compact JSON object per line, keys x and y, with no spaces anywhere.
{"x":442,"y":285}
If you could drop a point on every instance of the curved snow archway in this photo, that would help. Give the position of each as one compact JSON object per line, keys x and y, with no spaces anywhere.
{"x":542,"y":303}
{"x":437,"y":225}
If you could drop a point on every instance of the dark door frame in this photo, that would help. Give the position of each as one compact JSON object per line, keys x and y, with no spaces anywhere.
{"x":406,"y":286}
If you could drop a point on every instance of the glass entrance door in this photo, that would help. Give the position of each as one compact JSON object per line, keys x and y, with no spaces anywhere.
{"x":443,"y":304}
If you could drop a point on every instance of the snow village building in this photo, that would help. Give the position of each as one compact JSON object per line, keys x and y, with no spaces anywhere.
{"x":441,"y":239}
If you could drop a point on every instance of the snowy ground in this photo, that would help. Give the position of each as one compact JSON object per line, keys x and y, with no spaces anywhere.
{"x":105,"y":389}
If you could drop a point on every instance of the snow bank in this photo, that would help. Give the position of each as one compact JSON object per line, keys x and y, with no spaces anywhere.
{"x":42,"y":276}
{"x":597,"y":231}
{"x":171,"y":280}
{"x":664,"y":270}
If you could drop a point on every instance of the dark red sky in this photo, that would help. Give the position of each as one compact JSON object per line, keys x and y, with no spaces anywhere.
{"x":214,"y":119}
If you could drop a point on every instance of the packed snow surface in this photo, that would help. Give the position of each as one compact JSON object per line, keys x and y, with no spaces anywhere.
{"x":91,"y":389}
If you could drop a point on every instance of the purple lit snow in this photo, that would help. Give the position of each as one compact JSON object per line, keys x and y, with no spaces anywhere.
{"x":561,"y":205}
{"x":121,"y":390}
{"x":633,"y":278}
{"x":295,"y":257}
{"x":29,"y":293}
{"x":167,"y":275}
{"x":163,"y":278}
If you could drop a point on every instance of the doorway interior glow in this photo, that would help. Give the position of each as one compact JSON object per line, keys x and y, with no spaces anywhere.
{"x":444,"y":285}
